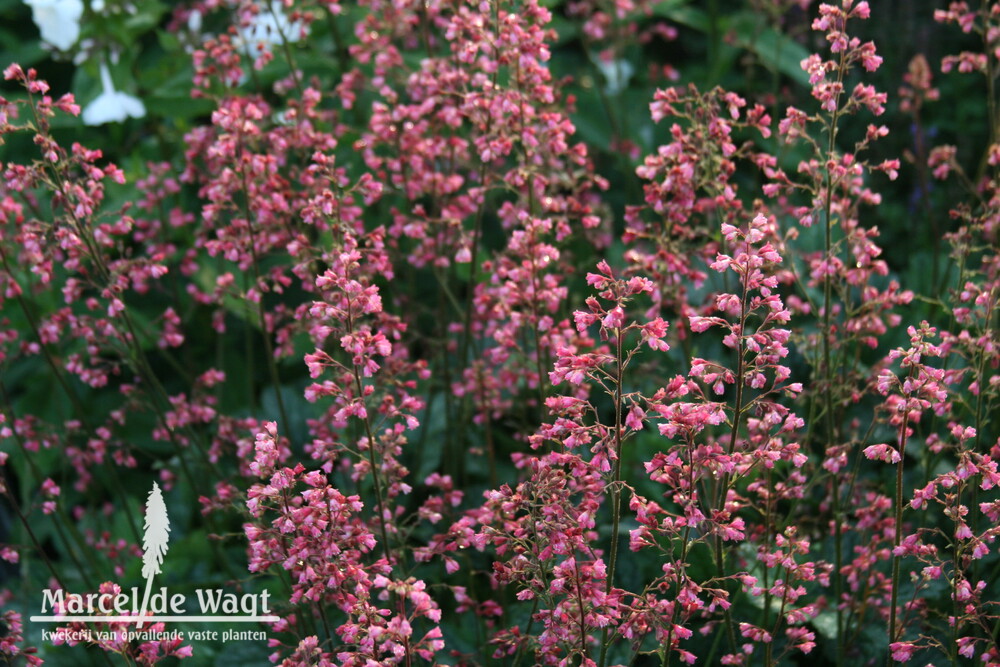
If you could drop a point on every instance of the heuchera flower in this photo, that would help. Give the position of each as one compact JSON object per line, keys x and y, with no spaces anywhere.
{"x":57,"y":20}
{"x":112,"y":106}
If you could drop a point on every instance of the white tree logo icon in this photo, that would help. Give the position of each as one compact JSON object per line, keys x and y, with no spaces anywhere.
{"x":156,"y":533}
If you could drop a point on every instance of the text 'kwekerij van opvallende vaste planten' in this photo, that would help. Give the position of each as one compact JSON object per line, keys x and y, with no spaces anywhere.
{"x":499,"y":332}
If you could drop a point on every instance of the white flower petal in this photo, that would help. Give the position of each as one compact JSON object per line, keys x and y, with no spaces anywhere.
{"x":104,"y":109}
{"x":58,"y":20}
{"x":194,"y":21}
{"x":616,"y":72}
{"x":134,"y":108}
{"x":112,"y":106}
{"x":268,"y":27}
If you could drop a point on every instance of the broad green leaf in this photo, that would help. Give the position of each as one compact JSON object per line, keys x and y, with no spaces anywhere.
{"x":775,"y":50}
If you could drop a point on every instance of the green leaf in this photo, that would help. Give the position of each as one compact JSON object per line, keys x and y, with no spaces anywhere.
{"x":144,"y":19}
{"x":591,"y":119}
{"x":297,"y":409}
{"x":168,"y":40}
{"x":431,"y":436}
{"x":678,"y":12}
{"x":566,"y":30}
{"x":24,"y":53}
{"x":180,"y":106}
{"x":776,"y":51}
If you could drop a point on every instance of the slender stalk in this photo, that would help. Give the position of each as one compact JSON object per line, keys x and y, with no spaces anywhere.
{"x":488,"y":428}
{"x":29,"y":458}
{"x":6,"y":489}
{"x":979,"y":423}
{"x":955,"y":569}
{"x":991,"y":100}
{"x":584,"y":654}
{"x":616,"y":492}
{"x":667,"y":656}
{"x":828,"y":420}
{"x":27,"y":527}
{"x":527,"y":633}
{"x":714,"y":38}
{"x":376,"y":480}
{"x":723,"y":488}
{"x":767,"y":585}
{"x":532,"y":546}
{"x":286,"y":49}
{"x":265,"y":334}
{"x":477,"y":229}
{"x":343,"y":56}
{"x":897,"y":538}
{"x":74,"y":399}
{"x":768,"y":648}
{"x":838,"y":547}
{"x":539,"y":363}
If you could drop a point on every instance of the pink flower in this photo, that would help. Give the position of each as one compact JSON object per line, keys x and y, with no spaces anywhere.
{"x":615,"y":318}
{"x":902,"y":651}
{"x":886,"y":453}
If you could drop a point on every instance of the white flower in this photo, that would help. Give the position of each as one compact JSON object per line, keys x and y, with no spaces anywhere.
{"x":268,"y":26}
{"x":57,"y":20}
{"x":194,"y":21}
{"x":112,"y":106}
{"x":616,"y":72}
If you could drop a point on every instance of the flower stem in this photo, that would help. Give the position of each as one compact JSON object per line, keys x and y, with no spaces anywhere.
{"x":897,"y":538}
{"x":265,"y":334}
{"x":828,"y":420}
{"x":616,"y":493}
